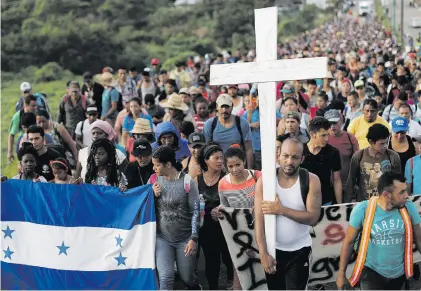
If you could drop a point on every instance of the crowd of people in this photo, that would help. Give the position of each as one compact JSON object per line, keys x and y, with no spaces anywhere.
{"x":349,"y":137}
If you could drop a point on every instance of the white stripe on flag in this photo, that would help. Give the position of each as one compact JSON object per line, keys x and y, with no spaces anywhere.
{"x":90,"y":248}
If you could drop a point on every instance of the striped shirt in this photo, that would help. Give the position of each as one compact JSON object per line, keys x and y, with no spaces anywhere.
{"x":238,"y":195}
{"x":200,"y":123}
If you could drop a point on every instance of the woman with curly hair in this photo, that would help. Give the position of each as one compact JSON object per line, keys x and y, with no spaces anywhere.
{"x":102,"y":168}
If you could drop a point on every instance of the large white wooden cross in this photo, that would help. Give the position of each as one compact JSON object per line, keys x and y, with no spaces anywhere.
{"x":266,"y":71}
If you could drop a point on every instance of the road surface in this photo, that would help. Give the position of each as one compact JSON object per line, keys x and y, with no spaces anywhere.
{"x":409,"y":13}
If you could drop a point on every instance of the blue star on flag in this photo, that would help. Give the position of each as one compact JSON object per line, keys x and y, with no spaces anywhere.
{"x":119,"y":241}
{"x":8,"y":232}
{"x":8,"y":253}
{"x":120,"y":260}
{"x":63,"y":249}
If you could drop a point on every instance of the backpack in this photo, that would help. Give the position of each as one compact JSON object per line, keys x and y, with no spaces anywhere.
{"x":120,"y":100}
{"x":304,"y":176}
{"x":187,"y":180}
{"x":67,"y":97}
{"x":58,"y":148}
{"x":237,"y":123}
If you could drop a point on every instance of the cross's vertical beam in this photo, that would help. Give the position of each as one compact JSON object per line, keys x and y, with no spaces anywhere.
{"x":266,"y":29}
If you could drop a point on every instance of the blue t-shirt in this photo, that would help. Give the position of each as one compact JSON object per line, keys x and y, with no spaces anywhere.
{"x":255,"y":132}
{"x":386,"y":248}
{"x":109,"y":96}
{"x":416,"y":173}
{"x":225,"y":137}
{"x":128,"y":122}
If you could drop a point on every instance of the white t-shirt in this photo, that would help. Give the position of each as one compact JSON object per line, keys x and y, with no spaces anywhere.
{"x":83,"y":159}
{"x":85,"y":133}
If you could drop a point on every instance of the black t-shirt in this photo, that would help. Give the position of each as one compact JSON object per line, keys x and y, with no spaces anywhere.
{"x":136,"y":175}
{"x":323,"y":165}
{"x":43,"y":167}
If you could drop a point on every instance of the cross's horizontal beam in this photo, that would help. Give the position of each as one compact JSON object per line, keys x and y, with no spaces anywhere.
{"x":269,"y":71}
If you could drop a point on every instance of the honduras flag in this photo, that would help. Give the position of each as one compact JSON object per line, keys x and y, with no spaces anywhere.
{"x":77,"y":237}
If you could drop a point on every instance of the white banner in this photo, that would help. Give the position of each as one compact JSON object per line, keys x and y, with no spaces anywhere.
{"x":327,"y":236}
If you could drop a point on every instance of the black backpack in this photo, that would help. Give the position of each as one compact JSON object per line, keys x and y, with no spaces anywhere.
{"x":237,"y":123}
{"x":120,"y":100}
{"x":304,"y":176}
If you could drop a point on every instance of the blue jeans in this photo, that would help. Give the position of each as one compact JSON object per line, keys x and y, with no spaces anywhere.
{"x":166,"y":253}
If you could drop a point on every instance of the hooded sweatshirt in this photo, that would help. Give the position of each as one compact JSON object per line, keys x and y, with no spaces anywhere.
{"x":182,"y":149}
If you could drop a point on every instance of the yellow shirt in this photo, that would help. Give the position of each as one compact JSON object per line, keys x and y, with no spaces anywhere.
{"x":359,"y":127}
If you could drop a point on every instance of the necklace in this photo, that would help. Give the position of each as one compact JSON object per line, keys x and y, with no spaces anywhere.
{"x":212,"y":181}
{"x":173,"y":184}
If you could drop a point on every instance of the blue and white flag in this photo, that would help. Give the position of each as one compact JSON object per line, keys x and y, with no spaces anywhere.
{"x":77,"y":237}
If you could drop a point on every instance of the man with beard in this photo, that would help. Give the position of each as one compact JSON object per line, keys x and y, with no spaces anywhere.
{"x":297,"y":205}
{"x":227,"y":129}
{"x":383,"y":225}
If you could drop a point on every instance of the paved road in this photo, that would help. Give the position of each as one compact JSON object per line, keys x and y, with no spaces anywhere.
{"x":409,"y":13}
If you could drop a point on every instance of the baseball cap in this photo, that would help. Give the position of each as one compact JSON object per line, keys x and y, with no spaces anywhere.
{"x":224,"y":99}
{"x":25,"y":86}
{"x":87,"y":76}
{"x":359,"y":83}
{"x":332,"y":115}
{"x":399,"y":124}
{"x":288,"y":88}
{"x":142,"y":147}
{"x":91,"y":109}
{"x":184,"y":91}
{"x":293,"y":114}
{"x":196,"y":139}
{"x":154,"y":62}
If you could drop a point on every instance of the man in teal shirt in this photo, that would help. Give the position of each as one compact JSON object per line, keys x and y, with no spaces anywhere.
{"x":384,"y":263}
{"x":29,"y":105}
{"x":413,"y":173}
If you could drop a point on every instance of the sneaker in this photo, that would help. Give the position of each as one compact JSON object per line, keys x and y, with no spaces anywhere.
{"x":229,"y":285}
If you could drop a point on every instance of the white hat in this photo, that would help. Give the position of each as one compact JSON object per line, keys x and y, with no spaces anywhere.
{"x":25,"y":86}
{"x":184,"y":91}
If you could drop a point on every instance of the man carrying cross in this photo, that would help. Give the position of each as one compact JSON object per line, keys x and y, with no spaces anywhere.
{"x":266,"y":71}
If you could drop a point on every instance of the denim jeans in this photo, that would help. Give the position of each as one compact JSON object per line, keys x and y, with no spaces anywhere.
{"x":166,"y":253}
{"x":371,"y":280}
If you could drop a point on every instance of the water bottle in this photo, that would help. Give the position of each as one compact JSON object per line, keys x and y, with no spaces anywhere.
{"x":202,"y":208}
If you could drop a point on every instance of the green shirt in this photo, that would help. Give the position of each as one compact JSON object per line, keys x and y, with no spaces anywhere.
{"x":14,"y":125}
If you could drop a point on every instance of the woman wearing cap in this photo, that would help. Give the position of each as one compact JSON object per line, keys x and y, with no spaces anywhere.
{"x":176,"y":108}
{"x":140,"y":170}
{"x":100,"y":129}
{"x":191,"y":164}
{"x":129,"y":120}
{"x":401,"y":142}
{"x":141,"y":130}
{"x":211,"y":237}
{"x":60,"y":169}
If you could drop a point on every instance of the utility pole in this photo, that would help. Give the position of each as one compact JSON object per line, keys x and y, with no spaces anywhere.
{"x":402,"y":36}
{"x":394,"y":14}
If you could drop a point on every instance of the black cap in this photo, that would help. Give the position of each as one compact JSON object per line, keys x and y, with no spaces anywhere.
{"x":197,"y":139}
{"x":142,"y":147}
{"x":87,"y":76}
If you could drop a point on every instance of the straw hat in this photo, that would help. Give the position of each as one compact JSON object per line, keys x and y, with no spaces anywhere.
{"x":141,"y":126}
{"x":175,"y":101}
{"x":107,"y":79}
